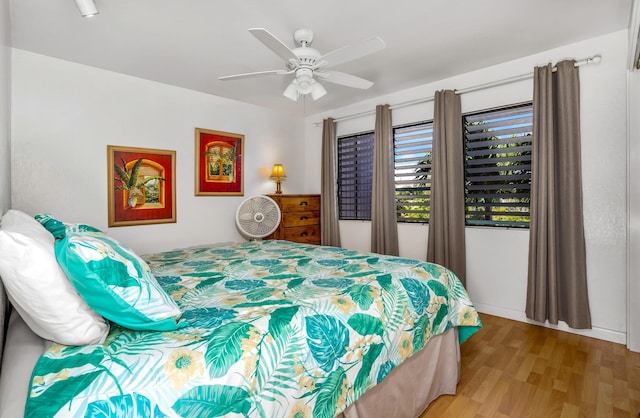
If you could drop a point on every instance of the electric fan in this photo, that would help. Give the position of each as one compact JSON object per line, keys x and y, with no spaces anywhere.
{"x":257,"y":217}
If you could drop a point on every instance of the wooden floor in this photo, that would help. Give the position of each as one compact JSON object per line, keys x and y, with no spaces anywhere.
{"x":513,"y":369}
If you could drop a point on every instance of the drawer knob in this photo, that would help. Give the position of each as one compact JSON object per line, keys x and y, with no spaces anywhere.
{"x":303,"y":218}
{"x":304,"y":203}
{"x":304,"y":234}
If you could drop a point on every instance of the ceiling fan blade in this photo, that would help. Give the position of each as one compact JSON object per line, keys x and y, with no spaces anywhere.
{"x":273,"y":43}
{"x":344,"y":79}
{"x":256,"y":74}
{"x":352,"y":52}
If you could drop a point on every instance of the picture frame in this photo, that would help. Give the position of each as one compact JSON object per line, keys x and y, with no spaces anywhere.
{"x":219,"y":165}
{"x":141,"y":186}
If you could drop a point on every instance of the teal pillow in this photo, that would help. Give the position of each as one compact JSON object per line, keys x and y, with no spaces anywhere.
{"x":115,"y":281}
{"x":59,"y":229}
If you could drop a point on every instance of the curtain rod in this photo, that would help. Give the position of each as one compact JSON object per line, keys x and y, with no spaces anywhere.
{"x":585,"y":61}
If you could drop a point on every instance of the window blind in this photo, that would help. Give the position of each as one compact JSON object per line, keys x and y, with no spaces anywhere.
{"x":412,"y":158}
{"x":498,"y":166}
{"x":355,"y":173}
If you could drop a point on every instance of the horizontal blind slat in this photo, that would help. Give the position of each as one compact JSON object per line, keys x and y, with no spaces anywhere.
{"x":502,"y":178}
{"x":523,"y":139}
{"x":485,"y":161}
{"x":493,"y":169}
{"x":507,"y":133}
{"x":523,"y":120}
{"x":510,"y":150}
{"x":499,"y":113}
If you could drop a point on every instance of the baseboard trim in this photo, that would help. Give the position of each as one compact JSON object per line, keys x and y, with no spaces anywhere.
{"x":599,"y":333}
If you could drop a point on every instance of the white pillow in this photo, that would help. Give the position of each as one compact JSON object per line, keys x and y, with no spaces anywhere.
{"x":38,"y":288}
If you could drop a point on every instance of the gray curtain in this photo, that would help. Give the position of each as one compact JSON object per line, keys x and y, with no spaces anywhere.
{"x":557,"y":282}
{"x":446,"y":244}
{"x":384,"y":227}
{"x":329,"y":225}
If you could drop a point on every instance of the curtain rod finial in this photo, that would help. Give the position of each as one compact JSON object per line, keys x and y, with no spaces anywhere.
{"x":595,"y":59}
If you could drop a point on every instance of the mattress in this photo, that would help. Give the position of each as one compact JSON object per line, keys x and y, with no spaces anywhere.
{"x":22,"y":350}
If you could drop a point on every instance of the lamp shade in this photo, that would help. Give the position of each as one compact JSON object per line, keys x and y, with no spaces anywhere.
{"x":317,"y":91}
{"x":87,"y":7}
{"x":278,"y":172}
{"x":291,"y":92}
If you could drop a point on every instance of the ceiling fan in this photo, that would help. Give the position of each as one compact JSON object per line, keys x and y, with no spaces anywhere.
{"x":308,"y":64}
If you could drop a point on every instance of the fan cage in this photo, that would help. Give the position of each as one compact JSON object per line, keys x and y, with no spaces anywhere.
{"x":258,"y":217}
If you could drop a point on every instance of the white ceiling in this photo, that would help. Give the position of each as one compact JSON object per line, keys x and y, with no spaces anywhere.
{"x":190,"y":43}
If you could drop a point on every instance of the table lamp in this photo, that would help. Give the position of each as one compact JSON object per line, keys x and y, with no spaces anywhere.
{"x":278,"y":174}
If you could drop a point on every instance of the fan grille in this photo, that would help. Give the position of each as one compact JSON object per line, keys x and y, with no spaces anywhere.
{"x":258,"y":216}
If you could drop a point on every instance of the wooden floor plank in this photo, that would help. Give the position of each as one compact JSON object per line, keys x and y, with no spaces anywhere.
{"x":515,"y":369}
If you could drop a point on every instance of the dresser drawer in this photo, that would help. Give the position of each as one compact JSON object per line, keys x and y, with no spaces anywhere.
{"x":299,"y":204}
{"x":305,"y":234}
{"x":290,"y":219}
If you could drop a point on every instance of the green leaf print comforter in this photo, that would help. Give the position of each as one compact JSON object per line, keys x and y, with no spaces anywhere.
{"x":273,"y":329}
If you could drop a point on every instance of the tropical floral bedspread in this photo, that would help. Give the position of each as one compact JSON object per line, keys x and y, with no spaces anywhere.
{"x":272,"y":329}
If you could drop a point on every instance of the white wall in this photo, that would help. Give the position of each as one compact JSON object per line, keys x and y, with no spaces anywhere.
{"x":64,"y":115}
{"x":496,"y":257}
{"x":5,"y":106}
{"x":634,"y":212}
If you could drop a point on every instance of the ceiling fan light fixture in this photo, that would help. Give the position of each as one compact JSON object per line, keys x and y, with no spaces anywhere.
{"x":304,"y":84}
{"x":317,"y":91}
{"x":87,"y":7}
{"x":291,"y":92}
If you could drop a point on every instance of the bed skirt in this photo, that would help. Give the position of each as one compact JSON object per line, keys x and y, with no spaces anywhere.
{"x":409,"y":388}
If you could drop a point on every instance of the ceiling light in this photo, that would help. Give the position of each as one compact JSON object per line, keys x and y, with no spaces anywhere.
{"x":291,"y":92}
{"x":317,"y":91}
{"x":304,"y":83}
{"x":87,"y":7}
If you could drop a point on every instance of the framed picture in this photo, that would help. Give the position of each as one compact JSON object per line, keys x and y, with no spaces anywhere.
{"x":219,"y":163}
{"x":141,"y":186}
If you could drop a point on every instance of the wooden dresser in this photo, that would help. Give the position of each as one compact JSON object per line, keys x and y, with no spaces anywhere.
{"x":300,"y":218}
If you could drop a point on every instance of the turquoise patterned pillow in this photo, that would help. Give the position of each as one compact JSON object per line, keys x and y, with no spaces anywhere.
{"x":59,"y":229}
{"x":115,"y":281}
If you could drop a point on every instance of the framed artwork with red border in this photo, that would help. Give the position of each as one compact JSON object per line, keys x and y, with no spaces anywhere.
{"x":219,"y":163}
{"x":141,"y":186}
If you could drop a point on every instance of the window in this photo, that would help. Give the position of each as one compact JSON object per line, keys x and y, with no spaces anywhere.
{"x":355,"y":173}
{"x":412,"y":156}
{"x":498,"y":166}
{"x":497,"y":169}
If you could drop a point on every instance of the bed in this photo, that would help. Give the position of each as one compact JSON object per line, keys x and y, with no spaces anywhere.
{"x":266,"y":329}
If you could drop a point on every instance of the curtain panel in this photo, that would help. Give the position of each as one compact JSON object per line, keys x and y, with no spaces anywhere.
{"x":446,"y":243}
{"x":329,"y":219}
{"x":384,"y":227}
{"x":557,"y":276}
